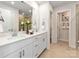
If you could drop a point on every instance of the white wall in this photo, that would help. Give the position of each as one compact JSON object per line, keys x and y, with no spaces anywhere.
{"x":54,"y":25}
{"x":72,"y":23}
{"x":35,"y":18}
{"x":10,"y":16}
{"x":45,"y":17}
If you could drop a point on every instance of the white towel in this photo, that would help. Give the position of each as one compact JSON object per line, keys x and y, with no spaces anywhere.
{"x":1,"y":26}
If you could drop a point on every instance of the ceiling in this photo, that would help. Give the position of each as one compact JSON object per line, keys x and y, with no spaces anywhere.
{"x":56,"y":3}
{"x":41,"y":2}
{"x":23,"y":7}
{"x":60,"y":3}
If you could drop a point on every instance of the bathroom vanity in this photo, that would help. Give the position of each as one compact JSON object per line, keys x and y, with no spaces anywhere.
{"x":23,"y":46}
{"x":22,"y":18}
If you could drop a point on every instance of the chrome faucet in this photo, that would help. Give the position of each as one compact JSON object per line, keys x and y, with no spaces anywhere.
{"x":14,"y":33}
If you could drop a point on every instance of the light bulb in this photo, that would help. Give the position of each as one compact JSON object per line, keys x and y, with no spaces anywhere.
{"x":22,"y":22}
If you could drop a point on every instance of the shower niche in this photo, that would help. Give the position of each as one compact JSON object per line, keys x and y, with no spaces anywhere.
{"x":65,"y":21}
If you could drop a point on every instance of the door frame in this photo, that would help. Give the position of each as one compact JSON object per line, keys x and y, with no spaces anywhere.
{"x":69,"y":23}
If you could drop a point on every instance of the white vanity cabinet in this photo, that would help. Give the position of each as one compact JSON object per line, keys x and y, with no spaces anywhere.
{"x":30,"y":47}
{"x":35,"y":49}
{"x":44,"y":41}
{"x":24,"y":52}
{"x":39,"y":45}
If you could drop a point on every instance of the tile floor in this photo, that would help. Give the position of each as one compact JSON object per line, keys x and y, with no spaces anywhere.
{"x":60,"y":50}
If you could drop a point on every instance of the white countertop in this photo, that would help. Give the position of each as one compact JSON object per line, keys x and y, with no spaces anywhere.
{"x":7,"y":39}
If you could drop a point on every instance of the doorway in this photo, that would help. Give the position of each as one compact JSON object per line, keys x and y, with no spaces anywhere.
{"x":63,"y":27}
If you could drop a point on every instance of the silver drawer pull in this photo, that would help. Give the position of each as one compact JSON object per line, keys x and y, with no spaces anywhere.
{"x":23,"y":53}
{"x":20,"y":55}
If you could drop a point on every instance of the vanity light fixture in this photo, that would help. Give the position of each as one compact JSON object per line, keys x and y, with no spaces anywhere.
{"x":12,"y":2}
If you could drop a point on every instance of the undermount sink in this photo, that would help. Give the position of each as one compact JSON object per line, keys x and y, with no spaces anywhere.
{"x":17,"y":37}
{"x":13,"y":36}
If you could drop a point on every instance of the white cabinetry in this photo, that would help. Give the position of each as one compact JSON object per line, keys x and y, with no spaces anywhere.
{"x":39,"y":45}
{"x":24,"y":52}
{"x":27,"y":48}
{"x":35,"y":49}
{"x":15,"y":54}
{"x":27,"y":51}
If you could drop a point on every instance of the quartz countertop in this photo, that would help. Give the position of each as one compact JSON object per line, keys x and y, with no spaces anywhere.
{"x":7,"y":39}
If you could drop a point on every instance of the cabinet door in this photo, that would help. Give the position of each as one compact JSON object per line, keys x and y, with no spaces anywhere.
{"x":44,"y":39}
{"x":35,"y":49}
{"x":16,"y":54}
{"x":39,"y":46}
{"x":27,"y":51}
{"x":42,"y":42}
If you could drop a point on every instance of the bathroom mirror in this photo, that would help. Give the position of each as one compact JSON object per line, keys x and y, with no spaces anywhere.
{"x":16,"y":16}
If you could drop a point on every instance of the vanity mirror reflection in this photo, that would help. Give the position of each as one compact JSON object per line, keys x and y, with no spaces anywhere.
{"x":25,"y":22}
{"x":17,"y":16}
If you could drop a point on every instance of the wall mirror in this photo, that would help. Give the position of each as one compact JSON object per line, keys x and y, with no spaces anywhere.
{"x":16,"y":16}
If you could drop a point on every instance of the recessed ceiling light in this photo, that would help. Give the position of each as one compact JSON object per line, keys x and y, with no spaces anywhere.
{"x":12,"y":2}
